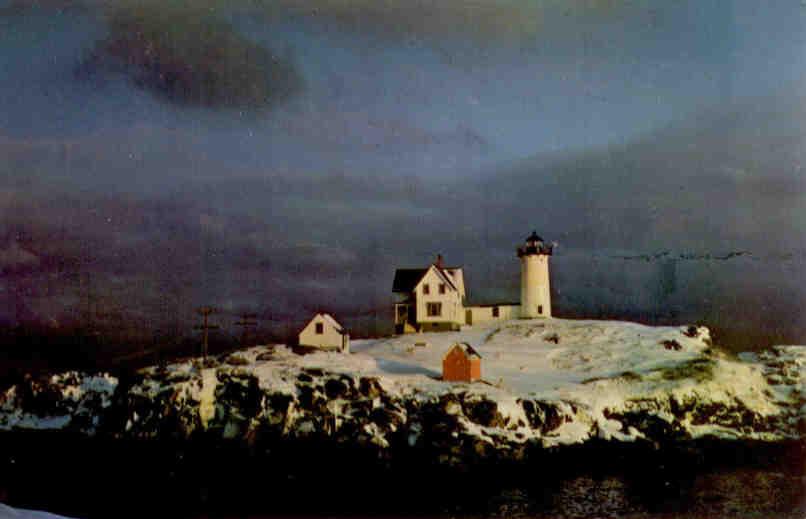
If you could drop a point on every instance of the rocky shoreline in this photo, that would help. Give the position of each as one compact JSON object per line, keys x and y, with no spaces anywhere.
{"x":264,"y":428}
{"x":461,"y":425}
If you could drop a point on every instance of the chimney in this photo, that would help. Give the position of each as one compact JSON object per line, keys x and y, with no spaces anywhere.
{"x":440,"y":264}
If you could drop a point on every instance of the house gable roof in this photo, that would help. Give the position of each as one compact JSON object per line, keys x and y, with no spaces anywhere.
{"x":406,"y":280}
{"x":467,"y":349}
{"x":329,"y":320}
{"x":446,"y":278}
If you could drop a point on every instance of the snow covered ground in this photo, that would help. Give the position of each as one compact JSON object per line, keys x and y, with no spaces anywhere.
{"x":551,"y":381}
{"x":544,"y":358}
{"x":592,"y":371}
{"x":540,"y":357}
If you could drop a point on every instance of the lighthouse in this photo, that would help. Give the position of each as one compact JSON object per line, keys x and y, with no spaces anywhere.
{"x":535,"y":291}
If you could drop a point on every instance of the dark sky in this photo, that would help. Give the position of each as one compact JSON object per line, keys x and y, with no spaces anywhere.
{"x":276,"y":158}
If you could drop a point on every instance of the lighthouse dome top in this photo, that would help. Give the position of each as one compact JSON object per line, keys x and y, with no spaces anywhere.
{"x":534,"y":245}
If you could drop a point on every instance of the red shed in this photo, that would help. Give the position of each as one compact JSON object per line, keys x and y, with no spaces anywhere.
{"x":461,"y":363}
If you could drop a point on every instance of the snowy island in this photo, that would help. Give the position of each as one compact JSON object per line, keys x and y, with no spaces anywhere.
{"x":545,"y":383}
{"x":652,"y":410}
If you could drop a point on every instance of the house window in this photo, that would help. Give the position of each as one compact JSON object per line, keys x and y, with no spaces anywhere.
{"x":320,"y":328}
{"x":496,"y":313}
{"x":433,"y":309}
{"x":442,"y":288}
{"x":540,"y":309}
{"x":426,"y":289}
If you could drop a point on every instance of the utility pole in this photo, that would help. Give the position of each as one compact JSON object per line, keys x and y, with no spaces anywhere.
{"x":205,"y":312}
{"x":247,"y":321}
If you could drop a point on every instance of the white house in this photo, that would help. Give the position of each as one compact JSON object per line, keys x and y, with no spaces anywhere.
{"x":324,"y":332}
{"x":434,"y":298}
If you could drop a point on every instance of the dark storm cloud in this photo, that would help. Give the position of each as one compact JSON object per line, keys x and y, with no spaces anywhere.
{"x":125,"y":262}
{"x":713,"y":184}
{"x":287,"y":243}
{"x":492,"y":19}
{"x":13,"y":258}
{"x":129,"y":212}
{"x":190,"y":55}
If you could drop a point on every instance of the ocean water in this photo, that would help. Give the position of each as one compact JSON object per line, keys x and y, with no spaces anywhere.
{"x":739,"y":493}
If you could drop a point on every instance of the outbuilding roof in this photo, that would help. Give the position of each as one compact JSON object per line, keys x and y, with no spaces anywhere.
{"x":331,"y":321}
{"x":466,"y":348}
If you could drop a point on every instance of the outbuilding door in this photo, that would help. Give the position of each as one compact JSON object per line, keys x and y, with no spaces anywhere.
{"x":469,"y":317}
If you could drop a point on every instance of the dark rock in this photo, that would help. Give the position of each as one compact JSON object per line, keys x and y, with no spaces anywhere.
{"x":336,"y":388}
{"x":277,"y":404}
{"x":541,"y":415}
{"x":387,"y":418}
{"x":691,"y":331}
{"x":240,"y":395}
{"x":309,"y":398}
{"x":236,"y":360}
{"x":370,"y":387}
{"x":652,"y":426}
{"x":483,"y":412}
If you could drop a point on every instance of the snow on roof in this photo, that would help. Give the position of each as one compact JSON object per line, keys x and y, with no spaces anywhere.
{"x":331,"y":321}
{"x":466,"y":348}
{"x":445,"y":277}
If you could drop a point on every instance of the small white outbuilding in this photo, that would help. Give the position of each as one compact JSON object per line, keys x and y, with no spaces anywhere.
{"x":324,"y":332}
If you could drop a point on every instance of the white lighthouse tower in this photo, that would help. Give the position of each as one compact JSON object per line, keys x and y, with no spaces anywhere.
{"x":535,"y":290}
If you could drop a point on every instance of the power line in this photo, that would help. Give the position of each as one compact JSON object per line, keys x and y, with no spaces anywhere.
{"x":205,"y":312}
{"x":247,"y":321}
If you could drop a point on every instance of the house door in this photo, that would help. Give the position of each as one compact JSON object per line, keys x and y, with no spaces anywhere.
{"x":469,"y":317}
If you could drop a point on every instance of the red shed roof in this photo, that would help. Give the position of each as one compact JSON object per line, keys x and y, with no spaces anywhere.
{"x":467,"y":349}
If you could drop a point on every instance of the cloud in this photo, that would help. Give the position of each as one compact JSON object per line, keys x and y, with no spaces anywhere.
{"x":488,"y":20}
{"x":182,"y":210}
{"x":501,"y":20}
{"x":285,"y":244}
{"x":191,"y":56}
{"x":366,"y":134}
{"x":710,"y":184}
{"x":14,"y":257}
